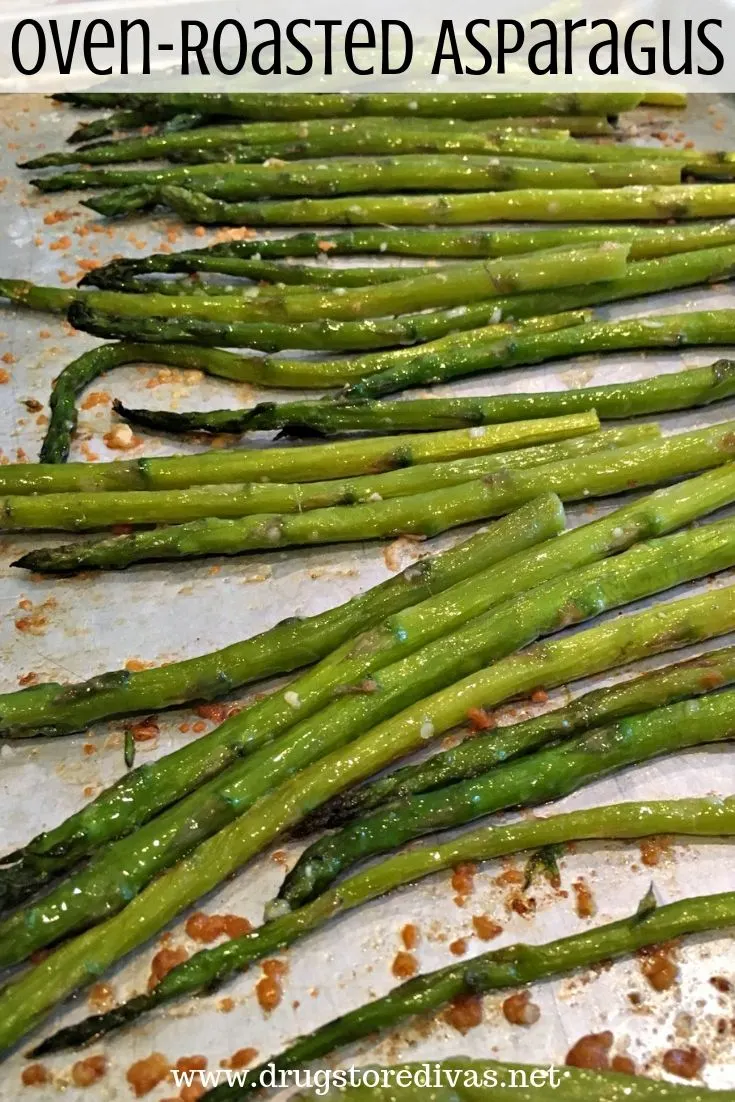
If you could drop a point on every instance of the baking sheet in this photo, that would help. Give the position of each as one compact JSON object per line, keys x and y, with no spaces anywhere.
{"x":82,"y":626}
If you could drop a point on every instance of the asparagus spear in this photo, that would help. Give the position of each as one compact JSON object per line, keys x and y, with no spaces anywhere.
{"x":397,"y":370}
{"x":403,"y":676}
{"x":546,"y":775}
{"x":510,"y":967}
{"x":24,"y":1002}
{"x":226,"y":257}
{"x":77,"y":375}
{"x":308,"y":105}
{"x":53,"y":709}
{"x":642,"y":277}
{"x":133,"y":120}
{"x":266,"y":138}
{"x":297,"y":275}
{"x":644,"y":464}
{"x":78,"y":512}
{"x":90,"y":365}
{"x":524,"y":205}
{"x":209,"y":968}
{"x":688,"y":389}
{"x":356,"y":175}
{"x":111,"y":878}
{"x":291,"y":464}
{"x":481,"y":753}
{"x":424,"y":514}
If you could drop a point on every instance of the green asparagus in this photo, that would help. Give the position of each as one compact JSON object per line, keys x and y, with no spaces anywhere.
{"x":266,"y":138}
{"x":482,"y":752}
{"x":79,"y":512}
{"x":211,"y":967}
{"x":525,"y":205}
{"x":306,"y":105}
{"x":24,"y":1002}
{"x":388,"y":372}
{"x":331,"y":460}
{"x":688,"y":389}
{"x":510,"y":967}
{"x":226,"y":257}
{"x":402,"y":663}
{"x":53,"y":709}
{"x":642,"y":277}
{"x":424,"y":514}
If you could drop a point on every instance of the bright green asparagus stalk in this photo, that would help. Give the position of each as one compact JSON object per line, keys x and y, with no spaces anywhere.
{"x":525,"y":205}
{"x":298,"y":276}
{"x":355,"y":175}
{"x":548,"y":774}
{"x":24,"y":1003}
{"x":466,"y":282}
{"x":117,"y":873}
{"x":307,"y":105}
{"x":422,"y":514}
{"x":79,"y":512}
{"x":641,"y":278}
{"x":689,"y":389}
{"x":462,"y":283}
{"x":210,"y":967}
{"x":332,"y":460}
{"x":446,"y":359}
{"x":394,"y":681}
{"x":227,"y":257}
{"x":141,"y":794}
{"x":266,"y":139}
{"x":481,"y":753}
{"x":510,"y":967}
{"x":53,"y":709}
{"x":90,"y":365}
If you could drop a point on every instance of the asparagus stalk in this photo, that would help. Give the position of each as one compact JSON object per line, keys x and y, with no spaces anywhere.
{"x":80,"y":512}
{"x":53,"y":709}
{"x":73,"y":379}
{"x":296,"y":275}
{"x":388,"y":372}
{"x":309,"y":105}
{"x":688,"y":389}
{"x":423,"y":514}
{"x":482,"y":753}
{"x":90,"y":365}
{"x":466,"y":282}
{"x":524,"y":205}
{"x":332,"y":460}
{"x":356,"y":175}
{"x":119,"y":871}
{"x":226,"y":257}
{"x":502,"y":968}
{"x":642,"y":277}
{"x":211,"y":967}
{"x":25,"y":1002}
{"x":135,"y":119}
{"x":267,"y":138}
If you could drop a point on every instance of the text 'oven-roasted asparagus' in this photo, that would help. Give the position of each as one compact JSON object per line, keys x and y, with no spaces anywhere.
{"x":424,"y":514}
{"x":688,"y":389}
{"x":641,"y":277}
{"x":510,"y":967}
{"x":24,"y":1002}
{"x":211,"y":967}
{"x":77,"y":512}
{"x":110,"y":880}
